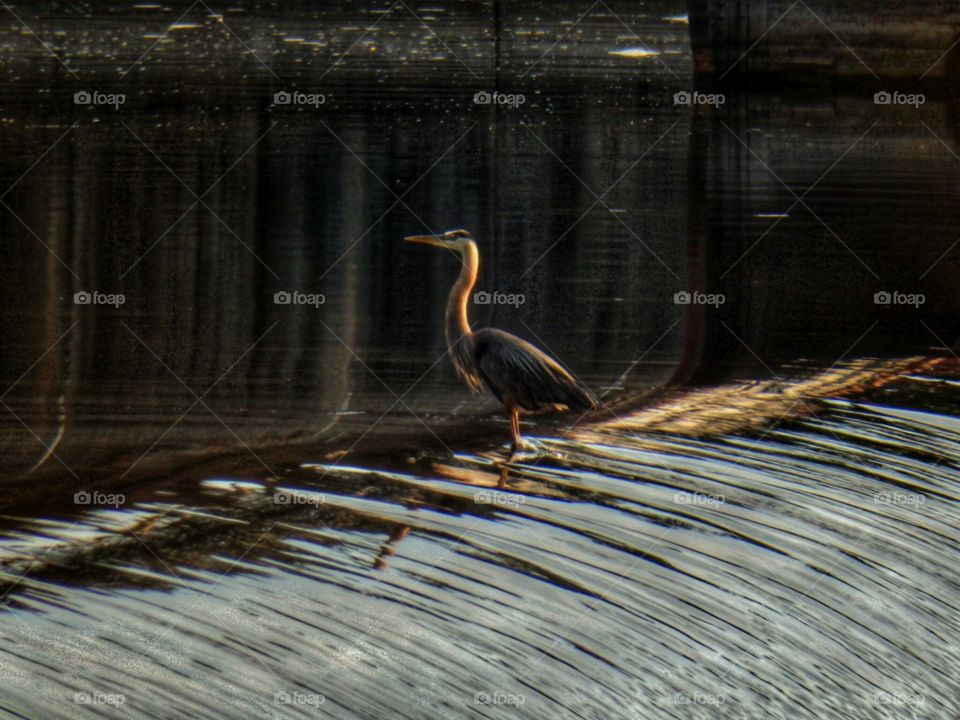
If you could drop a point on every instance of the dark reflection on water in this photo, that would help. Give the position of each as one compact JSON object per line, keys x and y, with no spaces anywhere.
{"x":305,"y":212}
{"x":220,"y":506}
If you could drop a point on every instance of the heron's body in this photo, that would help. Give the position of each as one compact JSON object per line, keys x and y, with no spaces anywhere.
{"x":521,"y":376}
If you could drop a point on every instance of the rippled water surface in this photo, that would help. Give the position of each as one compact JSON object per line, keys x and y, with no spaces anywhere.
{"x":217,"y":505}
{"x":627,"y":571}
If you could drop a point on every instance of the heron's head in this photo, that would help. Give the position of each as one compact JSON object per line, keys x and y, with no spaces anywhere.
{"x":458,"y":240}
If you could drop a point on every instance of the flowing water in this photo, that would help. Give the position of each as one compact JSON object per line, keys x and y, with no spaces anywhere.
{"x":220,"y":504}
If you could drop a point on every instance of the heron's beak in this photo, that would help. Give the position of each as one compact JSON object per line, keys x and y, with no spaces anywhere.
{"x":435,"y":240}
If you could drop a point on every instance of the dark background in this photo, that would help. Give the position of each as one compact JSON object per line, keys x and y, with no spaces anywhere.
{"x":306,"y":199}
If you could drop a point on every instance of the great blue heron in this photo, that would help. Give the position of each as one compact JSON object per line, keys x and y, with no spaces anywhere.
{"x":522,"y":376}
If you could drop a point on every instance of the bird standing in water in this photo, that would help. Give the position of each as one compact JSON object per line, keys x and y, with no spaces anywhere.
{"x":520,"y":375}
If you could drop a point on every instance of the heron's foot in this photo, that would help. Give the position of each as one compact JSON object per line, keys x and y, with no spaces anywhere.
{"x":526,"y":450}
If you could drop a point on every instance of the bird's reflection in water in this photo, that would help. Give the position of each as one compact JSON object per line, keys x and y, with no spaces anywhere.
{"x":504,"y":476}
{"x":389,"y":547}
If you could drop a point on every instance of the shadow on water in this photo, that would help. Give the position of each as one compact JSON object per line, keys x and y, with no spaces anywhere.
{"x":220,"y":504}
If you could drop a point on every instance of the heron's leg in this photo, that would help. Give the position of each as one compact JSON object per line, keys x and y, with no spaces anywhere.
{"x":514,"y":431}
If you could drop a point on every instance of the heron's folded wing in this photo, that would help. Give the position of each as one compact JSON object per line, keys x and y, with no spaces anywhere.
{"x":515,"y":368}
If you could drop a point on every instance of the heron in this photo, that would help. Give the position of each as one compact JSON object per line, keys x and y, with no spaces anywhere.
{"x":520,"y":375}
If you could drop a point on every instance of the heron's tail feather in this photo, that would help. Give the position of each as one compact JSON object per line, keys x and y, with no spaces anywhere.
{"x":580,"y":397}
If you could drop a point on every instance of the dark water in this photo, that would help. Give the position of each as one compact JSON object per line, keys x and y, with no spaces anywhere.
{"x":216,"y":505}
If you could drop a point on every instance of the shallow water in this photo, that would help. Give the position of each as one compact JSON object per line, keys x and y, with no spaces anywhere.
{"x":220,"y":506}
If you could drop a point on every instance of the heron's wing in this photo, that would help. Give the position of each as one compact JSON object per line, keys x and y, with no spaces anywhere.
{"x":514,"y":368}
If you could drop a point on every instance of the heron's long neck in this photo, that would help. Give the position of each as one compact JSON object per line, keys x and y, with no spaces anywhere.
{"x":456,"y":323}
